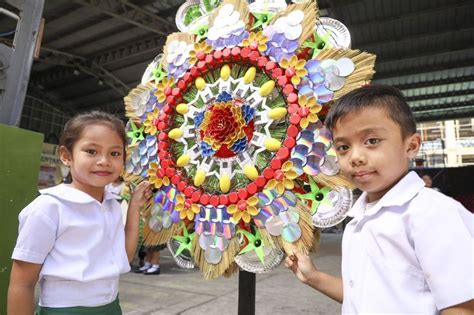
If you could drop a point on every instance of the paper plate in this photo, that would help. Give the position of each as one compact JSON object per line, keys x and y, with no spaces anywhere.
{"x":339,"y":34}
{"x":184,"y":259}
{"x":183,"y":10}
{"x":329,"y":215}
{"x":251,"y":263}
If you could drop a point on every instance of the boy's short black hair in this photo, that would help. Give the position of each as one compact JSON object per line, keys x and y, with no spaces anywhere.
{"x":382,"y":96}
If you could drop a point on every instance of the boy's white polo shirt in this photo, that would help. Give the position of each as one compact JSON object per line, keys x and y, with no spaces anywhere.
{"x":79,"y":241}
{"x":411,"y":253}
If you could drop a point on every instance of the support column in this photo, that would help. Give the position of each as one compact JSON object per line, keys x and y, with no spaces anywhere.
{"x":18,"y":74}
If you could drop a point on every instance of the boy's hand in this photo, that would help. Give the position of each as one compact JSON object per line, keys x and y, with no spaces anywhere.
{"x":141,"y":194}
{"x":301,"y":265}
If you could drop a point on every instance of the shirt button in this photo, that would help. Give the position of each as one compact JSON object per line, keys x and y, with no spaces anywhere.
{"x":351,"y":284}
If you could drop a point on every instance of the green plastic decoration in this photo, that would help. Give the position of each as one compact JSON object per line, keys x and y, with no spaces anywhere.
{"x":262,"y":19}
{"x":136,"y":134}
{"x":318,"y":44}
{"x":159,"y":73}
{"x":317,"y":196}
{"x":192,"y":14}
{"x":185,"y":241}
{"x":201,"y":32}
{"x":255,"y":243}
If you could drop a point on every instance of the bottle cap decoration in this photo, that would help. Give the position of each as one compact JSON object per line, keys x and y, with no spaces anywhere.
{"x":226,"y":124}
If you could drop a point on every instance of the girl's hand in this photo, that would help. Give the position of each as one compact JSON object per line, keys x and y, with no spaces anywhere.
{"x":301,"y":265}
{"x":141,"y":194}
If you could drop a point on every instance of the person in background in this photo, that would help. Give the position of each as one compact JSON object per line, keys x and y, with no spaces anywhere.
{"x":429,"y":182}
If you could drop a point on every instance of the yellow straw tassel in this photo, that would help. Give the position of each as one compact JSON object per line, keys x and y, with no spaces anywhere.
{"x":225,"y":72}
{"x":175,"y":133}
{"x":199,"y":178}
{"x":251,"y":172}
{"x":183,"y":160}
{"x":182,"y":108}
{"x":272,"y":144}
{"x":277,"y":113}
{"x":267,"y":88}
{"x":224,"y":183}
{"x":200,"y":83}
{"x":250,"y":75}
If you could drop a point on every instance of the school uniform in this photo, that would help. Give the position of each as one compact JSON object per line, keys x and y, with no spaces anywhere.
{"x":412,"y":252}
{"x":79,"y":241}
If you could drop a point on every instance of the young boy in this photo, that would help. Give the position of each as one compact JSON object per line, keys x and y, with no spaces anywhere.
{"x":408,"y":249}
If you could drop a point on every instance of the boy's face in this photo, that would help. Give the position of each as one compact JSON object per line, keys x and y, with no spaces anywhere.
{"x":371,"y":151}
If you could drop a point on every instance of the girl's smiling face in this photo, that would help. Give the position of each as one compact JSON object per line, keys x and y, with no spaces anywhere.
{"x":371,"y":150}
{"x":96,"y":159}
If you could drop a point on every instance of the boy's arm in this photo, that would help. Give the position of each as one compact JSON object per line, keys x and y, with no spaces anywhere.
{"x":21,"y":291}
{"x":141,"y":194}
{"x":306,"y":272}
{"x":466,"y":308}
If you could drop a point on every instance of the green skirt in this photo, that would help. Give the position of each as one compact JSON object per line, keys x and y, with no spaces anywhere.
{"x":109,"y":309}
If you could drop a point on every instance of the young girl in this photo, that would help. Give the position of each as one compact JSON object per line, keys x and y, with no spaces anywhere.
{"x":72,"y":237}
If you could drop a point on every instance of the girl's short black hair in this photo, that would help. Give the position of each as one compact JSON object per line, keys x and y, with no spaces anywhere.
{"x":382,"y":96}
{"x":74,"y":127}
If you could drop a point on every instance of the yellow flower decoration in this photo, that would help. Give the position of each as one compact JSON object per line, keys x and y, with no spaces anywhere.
{"x":150,"y":122}
{"x":257,"y":40}
{"x":283,"y":179}
{"x":153,"y":177}
{"x":198,"y":47}
{"x":295,"y":67}
{"x":308,"y":110}
{"x":185,"y":210}
{"x":244,"y":210}
{"x":161,"y":88}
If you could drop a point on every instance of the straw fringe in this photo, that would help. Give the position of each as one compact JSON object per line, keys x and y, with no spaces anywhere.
{"x":180,"y":37}
{"x":364,"y":67}
{"x":333,"y":181}
{"x":211,"y":271}
{"x":311,"y":13}
{"x":129,"y":99}
{"x":151,"y":238}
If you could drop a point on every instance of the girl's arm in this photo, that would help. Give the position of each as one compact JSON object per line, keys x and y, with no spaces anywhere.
{"x":139,"y":197}
{"x":21,"y":291}
{"x":306,"y":272}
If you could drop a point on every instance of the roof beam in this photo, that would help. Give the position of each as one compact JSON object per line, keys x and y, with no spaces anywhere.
{"x":399,"y":18}
{"x":409,"y":69}
{"x":132,"y":14}
{"x":426,"y":83}
{"x":442,"y":106}
{"x":86,"y":66}
{"x":427,"y":52}
{"x":108,"y":57}
{"x":435,"y":36}
{"x":445,"y":115}
{"x":439,"y":95}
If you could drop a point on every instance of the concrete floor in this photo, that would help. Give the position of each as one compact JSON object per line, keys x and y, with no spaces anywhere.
{"x":178,"y":291}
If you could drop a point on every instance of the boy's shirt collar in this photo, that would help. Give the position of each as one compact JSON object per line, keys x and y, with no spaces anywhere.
{"x":68,"y":193}
{"x":406,"y":188}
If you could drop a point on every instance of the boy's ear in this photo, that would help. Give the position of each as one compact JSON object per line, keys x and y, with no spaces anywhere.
{"x":413,"y":145}
{"x":65,"y":156}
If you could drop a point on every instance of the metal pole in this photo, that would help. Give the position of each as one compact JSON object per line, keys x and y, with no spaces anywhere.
{"x":18,"y":74}
{"x":246,"y":293}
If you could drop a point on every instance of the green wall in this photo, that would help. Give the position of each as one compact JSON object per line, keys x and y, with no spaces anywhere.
{"x":20,"y":152}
